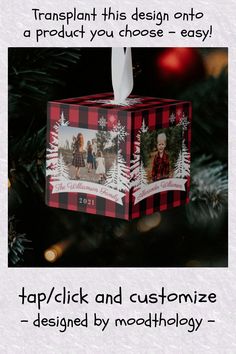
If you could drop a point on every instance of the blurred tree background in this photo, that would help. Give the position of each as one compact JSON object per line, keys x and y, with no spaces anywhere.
{"x":195,"y":235}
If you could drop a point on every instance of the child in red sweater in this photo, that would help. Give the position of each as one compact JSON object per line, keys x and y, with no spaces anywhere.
{"x":161,"y":162}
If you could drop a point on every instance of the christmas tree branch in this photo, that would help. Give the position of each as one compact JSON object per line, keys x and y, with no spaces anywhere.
{"x":209,"y":190}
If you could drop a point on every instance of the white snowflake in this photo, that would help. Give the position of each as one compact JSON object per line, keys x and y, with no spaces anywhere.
{"x":120,"y":131}
{"x":184,"y":122}
{"x":172,"y":118}
{"x":102,"y":122}
{"x":61,"y":123}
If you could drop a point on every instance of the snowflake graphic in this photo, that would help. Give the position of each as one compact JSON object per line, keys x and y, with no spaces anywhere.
{"x":184,"y":122}
{"x":172,"y":118}
{"x":102,"y":122}
{"x":120,"y":131}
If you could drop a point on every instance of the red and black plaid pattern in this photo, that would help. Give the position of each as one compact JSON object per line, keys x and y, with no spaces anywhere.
{"x":156,"y":119}
{"x":88,"y":118}
{"x":84,"y":112}
{"x":160,"y":167}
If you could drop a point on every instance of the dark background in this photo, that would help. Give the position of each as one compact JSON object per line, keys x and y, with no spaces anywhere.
{"x":192,"y":235}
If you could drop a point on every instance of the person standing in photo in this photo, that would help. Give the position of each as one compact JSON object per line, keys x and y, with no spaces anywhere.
{"x":101,"y":169}
{"x":89,"y":156}
{"x":94,"y":152}
{"x":78,"y":159}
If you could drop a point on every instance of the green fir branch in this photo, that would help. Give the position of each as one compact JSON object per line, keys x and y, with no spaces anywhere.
{"x":27,"y":160}
{"x":33,"y":75}
{"x":17,"y":244}
{"x":210,"y":116}
{"x":209,"y":190}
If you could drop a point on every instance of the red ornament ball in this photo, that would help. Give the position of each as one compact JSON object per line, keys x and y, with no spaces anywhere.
{"x":184,"y":65}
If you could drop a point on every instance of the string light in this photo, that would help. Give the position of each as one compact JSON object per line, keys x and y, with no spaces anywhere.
{"x":149,"y":222}
{"x":54,"y":252}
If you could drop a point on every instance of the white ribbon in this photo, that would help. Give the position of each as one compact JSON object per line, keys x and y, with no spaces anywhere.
{"x":122,"y":74}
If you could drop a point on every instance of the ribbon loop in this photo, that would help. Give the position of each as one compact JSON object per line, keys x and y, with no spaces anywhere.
{"x":122,"y":74}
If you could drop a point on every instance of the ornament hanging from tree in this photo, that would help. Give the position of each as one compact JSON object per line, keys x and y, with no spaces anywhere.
{"x":180,"y":66}
{"x":123,"y":142}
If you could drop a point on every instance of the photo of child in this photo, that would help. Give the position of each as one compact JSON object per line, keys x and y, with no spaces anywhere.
{"x":94,"y":152}
{"x":160,"y":150}
{"x":161,"y":162}
{"x":89,"y":156}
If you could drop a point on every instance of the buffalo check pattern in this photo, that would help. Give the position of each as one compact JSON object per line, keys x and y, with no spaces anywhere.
{"x":85,"y":112}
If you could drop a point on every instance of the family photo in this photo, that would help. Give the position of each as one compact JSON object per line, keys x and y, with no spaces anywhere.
{"x":86,"y":154}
